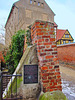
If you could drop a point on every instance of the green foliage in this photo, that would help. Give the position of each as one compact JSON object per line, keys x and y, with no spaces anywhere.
{"x":28,"y":37}
{"x":15,"y":51}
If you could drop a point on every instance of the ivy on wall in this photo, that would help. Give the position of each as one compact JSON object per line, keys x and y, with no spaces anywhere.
{"x":28,"y":37}
{"x":15,"y":51}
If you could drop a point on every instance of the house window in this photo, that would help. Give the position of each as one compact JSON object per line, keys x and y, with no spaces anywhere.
{"x":38,"y":3}
{"x":66,"y":35}
{"x":64,"y":42}
{"x":30,"y":1}
{"x":69,"y":41}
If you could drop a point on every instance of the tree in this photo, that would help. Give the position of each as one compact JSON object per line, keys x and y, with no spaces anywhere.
{"x":15,"y":51}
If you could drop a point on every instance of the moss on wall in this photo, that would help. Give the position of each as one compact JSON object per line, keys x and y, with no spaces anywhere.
{"x":13,"y":87}
{"x":55,"y":95}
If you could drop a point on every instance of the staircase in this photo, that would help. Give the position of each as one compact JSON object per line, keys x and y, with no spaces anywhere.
{"x":5,"y":80}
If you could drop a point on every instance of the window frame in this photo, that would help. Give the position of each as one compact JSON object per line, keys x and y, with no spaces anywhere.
{"x":34,"y":2}
{"x":39,"y":3}
{"x":66,"y":35}
{"x":64,"y":42}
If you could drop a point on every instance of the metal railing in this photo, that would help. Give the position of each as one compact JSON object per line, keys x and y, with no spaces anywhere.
{"x":11,"y":93}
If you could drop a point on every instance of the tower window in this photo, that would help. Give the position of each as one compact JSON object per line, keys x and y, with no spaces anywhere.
{"x":30,"y":1}
{"x":42,"y":4}
{"x":38,"y":3}
{"x":34,"y":2}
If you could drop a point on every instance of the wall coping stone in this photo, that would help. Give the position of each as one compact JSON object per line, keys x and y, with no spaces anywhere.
{"x":64,"y":45}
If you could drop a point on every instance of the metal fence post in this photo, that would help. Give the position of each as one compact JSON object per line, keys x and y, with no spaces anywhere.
{"x":1,"y":86}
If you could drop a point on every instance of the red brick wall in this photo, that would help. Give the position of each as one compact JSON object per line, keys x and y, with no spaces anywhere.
{"x":66,"y":53}
{"x":42,"y":35}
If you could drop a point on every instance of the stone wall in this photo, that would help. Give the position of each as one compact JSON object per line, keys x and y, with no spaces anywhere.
{"x":42,"y":34}
{"x":66,"y":52}
{"x":29,"y":91}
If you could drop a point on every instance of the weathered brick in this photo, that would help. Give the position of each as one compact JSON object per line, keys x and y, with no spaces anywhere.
{"x":48,"y":87}
{"x":45,"y":81}
{"x":52,"y":39}
{"x":59,"y":87}
{"x":40,"y":40}
{"x":53,"y":46}
{"x":55,"y":83}
{"x":45,"y":85}
{"x":51,"y":90}
{"x":39,"y":43}
{"x":37,"y":27}
{"x":51,"y":73}
{"x":52,"y":63}
{"x":44,"y":30}
{"x":41,"y":47}
{"x":45,"y":33}
{"x":44,"y":68}
{"x":47,"y":43}
{"x":45,"y":36}
{"x":44,"y":71}
{"x":38,"y":50}
{"x":59,"y":76}
{"x":41,"y":23}
{"x":48,"y":57}
{"x":44,"y":78}
{"x":52,"y":80}
{"x":37,"y":22}
{"x":40,"y":33}
{"x":57,"y":69}
{"x":50,"y":32}
{"x":48,"y":50}
{"x":52,"y":70}
{"x":38,"y":30}
{"x":44,"y":61}
{"x":47,"y":46}
{"x":42,"y":54}
{"x":52,"y":29}
{"x":45,"y":74}
{"x":50,"y":83}
{"x":55,"y":59}
{"x":46,"y":40}
{"x":57,"y":73}
{"x":57,"y":80}
{"x":50,"y":67}
{"x":54,"y":52}
{"x":49,"y":77}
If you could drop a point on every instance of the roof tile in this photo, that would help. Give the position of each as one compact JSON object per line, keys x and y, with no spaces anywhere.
{"x":59,"y":34}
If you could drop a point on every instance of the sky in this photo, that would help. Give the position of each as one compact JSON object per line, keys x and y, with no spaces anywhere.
{"x":64,"y":13}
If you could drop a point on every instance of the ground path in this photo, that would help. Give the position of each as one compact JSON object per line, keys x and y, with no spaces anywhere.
{"x":68,"y":82}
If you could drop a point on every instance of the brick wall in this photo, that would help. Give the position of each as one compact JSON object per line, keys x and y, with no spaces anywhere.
{"x":42,"y":35}
{"x":66,"y":52}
